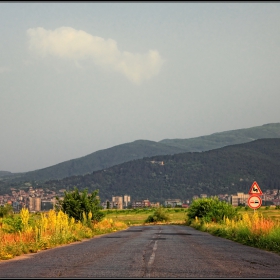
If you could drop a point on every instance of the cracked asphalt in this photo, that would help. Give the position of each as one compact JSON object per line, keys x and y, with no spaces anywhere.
{"x":156,"y":251}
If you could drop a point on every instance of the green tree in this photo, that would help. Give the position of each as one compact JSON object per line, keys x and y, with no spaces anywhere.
{"x":81,"y":205}
{"x":211,"y":210}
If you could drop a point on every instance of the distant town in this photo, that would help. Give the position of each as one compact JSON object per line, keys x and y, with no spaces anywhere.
{"x":40,"y":200}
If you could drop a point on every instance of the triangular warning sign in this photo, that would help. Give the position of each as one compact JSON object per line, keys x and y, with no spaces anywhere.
{"x":255,"y":189}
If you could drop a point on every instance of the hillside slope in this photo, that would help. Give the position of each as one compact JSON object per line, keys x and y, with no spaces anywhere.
{"x":144,"y":148}
{"x":228,"y":170}
{"x":102,"y":159}
{"x":222,"y":139}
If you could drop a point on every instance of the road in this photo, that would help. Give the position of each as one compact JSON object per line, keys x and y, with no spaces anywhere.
{"x":158,"y":251}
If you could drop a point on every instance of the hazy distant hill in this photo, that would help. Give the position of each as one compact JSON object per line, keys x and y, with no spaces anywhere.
{"x":222,"y":139}
{"x":144,"y":148}
{"x":5,"y":173}
{"x":101,"y":159}
{"x":229,"y":170}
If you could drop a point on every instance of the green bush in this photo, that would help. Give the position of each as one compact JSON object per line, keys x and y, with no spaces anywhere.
{"x":14,"y":224}
{"x":211,"y":210}
{"x":159,"y":215}
{"x":6,"y":210}
{"x":79,"y":204}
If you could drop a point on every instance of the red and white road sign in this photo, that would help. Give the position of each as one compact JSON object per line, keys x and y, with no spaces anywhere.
{"x":255,"y":189}
{"x":254,"y":202}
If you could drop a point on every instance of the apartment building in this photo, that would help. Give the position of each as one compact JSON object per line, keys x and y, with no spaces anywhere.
{"x":117,"y":202}
{"x":239,"y":199}
{"x":34,"y":204}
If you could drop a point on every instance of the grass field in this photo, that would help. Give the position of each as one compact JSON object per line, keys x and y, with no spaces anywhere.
{"x":177,"y":215}
{"x":138,"y":216}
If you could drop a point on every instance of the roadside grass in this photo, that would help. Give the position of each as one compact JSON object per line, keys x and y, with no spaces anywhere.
{"x":258,"y":228}
{"x":29,"y":233}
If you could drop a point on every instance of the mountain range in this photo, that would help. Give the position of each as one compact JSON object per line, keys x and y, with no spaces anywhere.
{"x":171,"y":168}
{"x":144,"y":148}
{"x":226,"y":170}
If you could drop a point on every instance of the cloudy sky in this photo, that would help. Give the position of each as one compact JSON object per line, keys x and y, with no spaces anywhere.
{"x":76,"y":78}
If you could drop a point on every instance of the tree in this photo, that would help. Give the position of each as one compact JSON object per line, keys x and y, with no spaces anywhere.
{"x":81,"y":205}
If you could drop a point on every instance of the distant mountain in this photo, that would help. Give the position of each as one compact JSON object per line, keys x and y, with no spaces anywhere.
{"x":5,"y":173}
{"x":144,"y":148}
{"x":222,"y":139}
{"x":228,"y":170}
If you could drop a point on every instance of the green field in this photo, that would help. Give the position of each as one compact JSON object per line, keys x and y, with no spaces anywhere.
{"x":138,"y":216}
{"x":177,"y":215}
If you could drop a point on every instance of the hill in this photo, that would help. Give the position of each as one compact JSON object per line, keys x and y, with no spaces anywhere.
{"x":228,"y":170}
{"x":144,"y":148}
{"x":222,"y":139}
{"x":99,"y":160}
{"x":5,"y":173}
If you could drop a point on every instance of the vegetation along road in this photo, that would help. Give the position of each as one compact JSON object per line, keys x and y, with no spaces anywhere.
{"x":147,"y":251}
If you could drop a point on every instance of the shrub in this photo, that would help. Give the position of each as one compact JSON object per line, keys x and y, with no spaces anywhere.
{"x":6,"y":210}
{"x":81,"y":205}
{"x":159,"y":215}
{"x":12,"y":224}
{"x":211,"y":210}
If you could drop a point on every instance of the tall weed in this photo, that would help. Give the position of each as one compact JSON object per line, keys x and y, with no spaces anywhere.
{"x":18,"y":235}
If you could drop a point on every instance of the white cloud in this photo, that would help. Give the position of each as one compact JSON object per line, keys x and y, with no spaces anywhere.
{"x":68,"y":43}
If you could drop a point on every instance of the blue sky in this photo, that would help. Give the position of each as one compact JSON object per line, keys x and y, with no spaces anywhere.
{"x":76,"y":78}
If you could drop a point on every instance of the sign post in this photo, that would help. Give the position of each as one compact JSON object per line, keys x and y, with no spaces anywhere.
{"x":254,"y":201}
{"x":255,"y":189}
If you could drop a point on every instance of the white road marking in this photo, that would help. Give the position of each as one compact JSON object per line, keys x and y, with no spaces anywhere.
{"x":152,"y":257}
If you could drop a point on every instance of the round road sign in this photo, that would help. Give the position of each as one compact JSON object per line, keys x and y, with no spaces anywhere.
{"x":254,"y":201}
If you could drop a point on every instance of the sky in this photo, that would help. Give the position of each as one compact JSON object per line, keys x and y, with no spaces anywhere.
{"x":78,"y":77}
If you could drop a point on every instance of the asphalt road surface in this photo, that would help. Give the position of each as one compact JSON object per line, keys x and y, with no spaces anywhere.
{"x":159,"y":251}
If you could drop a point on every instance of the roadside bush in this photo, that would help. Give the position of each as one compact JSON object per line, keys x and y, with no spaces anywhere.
{"x":81,"y":206}
{"x":211,"y":210}
{"x":6,"y":210}
{"x":12,"y":224}
{"x":159,"y":215}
